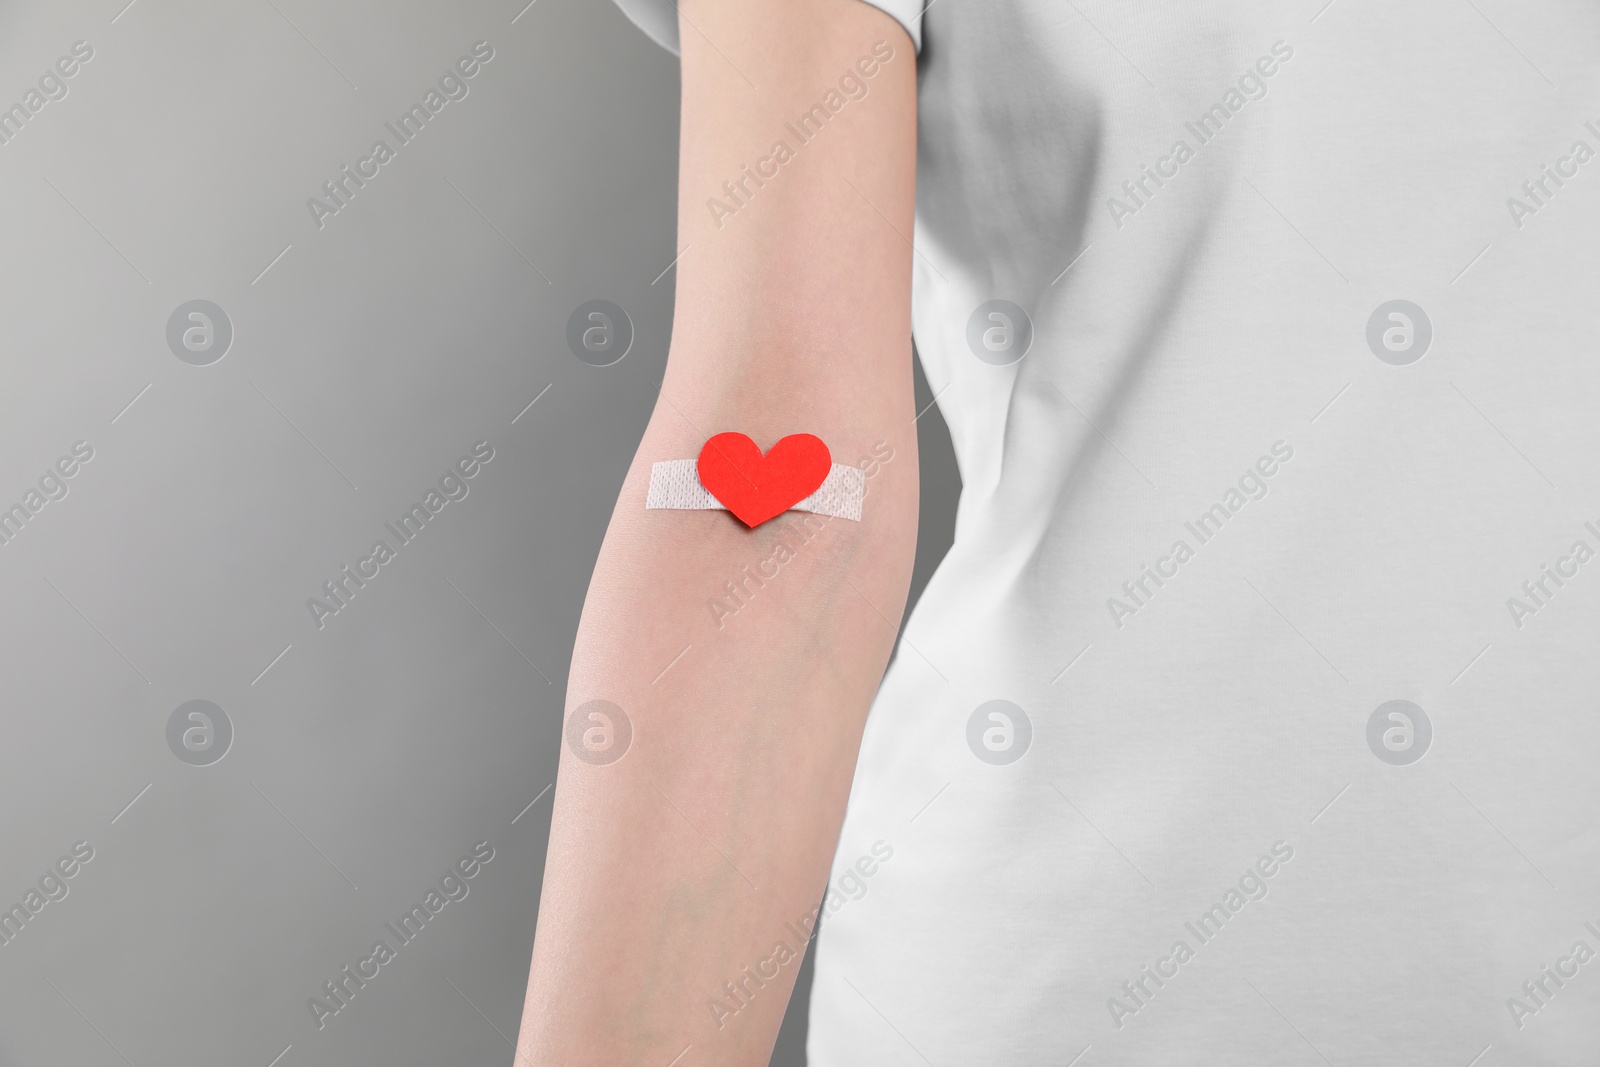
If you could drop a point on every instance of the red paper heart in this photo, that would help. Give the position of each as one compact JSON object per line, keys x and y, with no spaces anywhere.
{"x":756,"y":487}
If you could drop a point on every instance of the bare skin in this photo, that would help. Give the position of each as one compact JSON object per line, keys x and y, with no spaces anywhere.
{"x":678,"y":865}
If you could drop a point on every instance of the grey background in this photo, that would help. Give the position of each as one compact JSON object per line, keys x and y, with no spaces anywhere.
{"x":367,"y":356}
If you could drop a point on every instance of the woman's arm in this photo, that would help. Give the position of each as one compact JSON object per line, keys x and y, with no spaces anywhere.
{"x":673,"y":869}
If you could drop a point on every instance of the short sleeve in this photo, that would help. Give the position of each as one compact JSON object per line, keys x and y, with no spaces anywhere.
{"x":659,"y":18}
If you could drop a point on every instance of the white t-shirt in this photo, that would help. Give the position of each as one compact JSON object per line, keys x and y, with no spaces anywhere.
{"x":1278,"y":544}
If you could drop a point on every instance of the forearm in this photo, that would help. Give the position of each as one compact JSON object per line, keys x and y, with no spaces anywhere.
{"x":744,"y":659}
{"x":675,"y":867}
